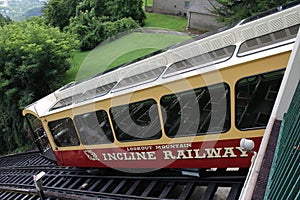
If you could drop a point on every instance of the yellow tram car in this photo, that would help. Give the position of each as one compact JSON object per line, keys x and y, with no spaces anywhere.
{"x":187,"y":107}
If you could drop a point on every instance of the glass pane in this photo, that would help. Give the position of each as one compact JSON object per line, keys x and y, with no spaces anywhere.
{"x":94,"y":128}
{"x":136,"y":121}
{"x":63,"y":132}
{"x":200,"y":111}
{"x":37,"y":131}
{"x":255,"y":97}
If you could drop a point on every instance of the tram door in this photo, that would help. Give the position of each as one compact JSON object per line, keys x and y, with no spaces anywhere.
{"x":36,"y":129}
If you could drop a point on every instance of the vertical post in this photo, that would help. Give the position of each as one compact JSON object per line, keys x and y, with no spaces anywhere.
{"x":38,"y":183}
{"x":247,"y":145}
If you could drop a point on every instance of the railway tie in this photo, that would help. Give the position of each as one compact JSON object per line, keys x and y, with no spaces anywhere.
{"x":17,"y":182}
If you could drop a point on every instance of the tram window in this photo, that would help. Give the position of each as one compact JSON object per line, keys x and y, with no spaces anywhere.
{"x":136,"y":121}
{"x":200,"y":111}
{"x":94,"y":128}
{"x":35,"y":127}
{"x":255,"y":97}
{"x":63,"y":132}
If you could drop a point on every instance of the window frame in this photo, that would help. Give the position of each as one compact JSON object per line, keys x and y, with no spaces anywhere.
{"x":236,"y":93}
{"x":227,"y":110}
{"x":118,"y":131}
{"x":92,"y":133}
{"x":60,"y":133}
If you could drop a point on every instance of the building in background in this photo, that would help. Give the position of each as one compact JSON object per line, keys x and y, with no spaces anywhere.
{"x":201,"y":17}
{"x":198,"y":12}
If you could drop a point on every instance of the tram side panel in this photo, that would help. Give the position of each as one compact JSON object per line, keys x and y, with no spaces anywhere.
{"x":249,"y":91}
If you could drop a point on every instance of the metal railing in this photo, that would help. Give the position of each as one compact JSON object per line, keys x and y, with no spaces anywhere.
{"x":284,"y":179}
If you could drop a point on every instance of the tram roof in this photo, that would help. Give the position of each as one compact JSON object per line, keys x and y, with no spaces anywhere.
{"x":157,"y":69}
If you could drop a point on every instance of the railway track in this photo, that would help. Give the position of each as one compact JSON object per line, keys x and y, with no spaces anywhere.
{"x":17,"y":182}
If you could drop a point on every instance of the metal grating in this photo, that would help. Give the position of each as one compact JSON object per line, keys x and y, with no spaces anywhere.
{"x":229,"y":39}
{"x":263,"y":41}
{"x":276,"y":24}
{"x":97,"y":92}
{"x":262,"y":28}
{"x":90,"y":94}
{"x":65,"y":102}
{"x":292,"y":19}
{"x":201,"y":60}
{"x":247,"y":33}
{"x":139,"y":79}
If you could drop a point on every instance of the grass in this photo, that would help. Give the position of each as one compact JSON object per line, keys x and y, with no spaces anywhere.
{"x":127,"y":48}
{"x":169,"y":22}
{"x":148,"y":3}
{"x":131,"y":56}
{"x":78,"y":58}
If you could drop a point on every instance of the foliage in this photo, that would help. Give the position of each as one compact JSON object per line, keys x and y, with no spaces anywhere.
{"x":34,"y":58}
{"x":94,"y":20}
{"x":4,"y":20}
{"x":94,"y":30}
{"x":148,"y":2}
{"x":119,"y":9}
{"x":231,"y":11}
{"x":58,"y":12}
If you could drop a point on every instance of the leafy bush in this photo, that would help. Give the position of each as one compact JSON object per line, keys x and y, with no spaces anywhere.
{"x":231,"y":11}
{"x":94,"y":20}
{"x":4,"y":20}
{"x":94,"y":30}
{"x":34,"y":58}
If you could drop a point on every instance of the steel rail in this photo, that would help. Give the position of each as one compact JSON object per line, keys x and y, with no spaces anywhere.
{"x":16,"y":182}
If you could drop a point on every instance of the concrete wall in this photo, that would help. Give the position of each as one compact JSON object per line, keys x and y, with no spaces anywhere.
{"x":170,"y":7}
{"x":202,"y":21}
{"x":198,"y":15}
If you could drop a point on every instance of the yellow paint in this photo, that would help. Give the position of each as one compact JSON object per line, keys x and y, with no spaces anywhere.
{"x":229,"y":75}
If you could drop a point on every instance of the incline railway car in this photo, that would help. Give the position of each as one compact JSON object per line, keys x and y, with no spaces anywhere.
{"x":187,"y":107}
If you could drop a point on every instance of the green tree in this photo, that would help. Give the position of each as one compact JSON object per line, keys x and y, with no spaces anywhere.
{"x":231,"y":11}
{"x":4,"y":20}
{"x":97,"y":20}
{"x":93,"y":30}
{"x":114,"y":9}
{"x":33,"y":59}
{"x":58,"y":12}
{"x":94,"y":20}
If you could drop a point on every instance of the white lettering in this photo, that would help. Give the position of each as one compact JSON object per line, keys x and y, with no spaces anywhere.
{"x":141,"y":156}
{"x":151,"y":155}
{"x":174,"y":146}
{"x":180,"y":153}
{"x":189,"y":151}
{"x":244,"y":153}
{"x":168,"y":155}
{"x":212,"y":153}
{"x":197,"y":154}
{"x":229,"y":150}
{"x":141,"y":148}
{"x":120,"y":156}
{"x":129,"y":156}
